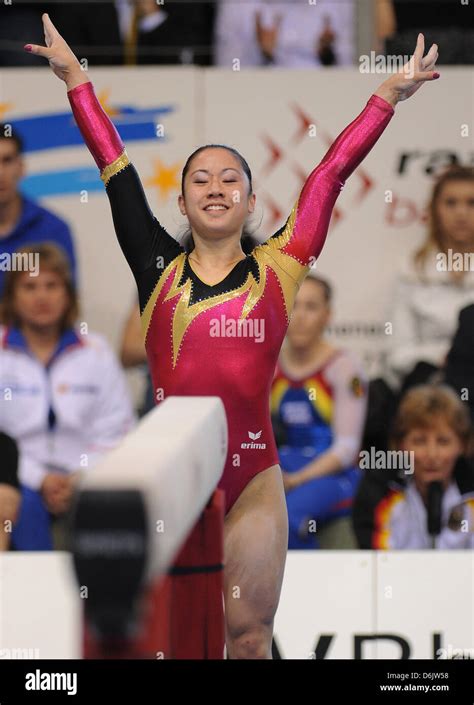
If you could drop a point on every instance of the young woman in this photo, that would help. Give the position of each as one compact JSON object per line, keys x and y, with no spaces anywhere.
{"x":64,"y":397}
{"x":435,"y":283}
{"x":432,"y":423}
{"x":319,"y":401}
{"x":182,"y":296}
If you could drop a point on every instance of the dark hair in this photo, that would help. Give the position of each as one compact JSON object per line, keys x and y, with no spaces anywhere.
{"x":6,"y":127}
{"x":247,"y":240}
{"x":325,"y":285}
{"x":237,"y":155}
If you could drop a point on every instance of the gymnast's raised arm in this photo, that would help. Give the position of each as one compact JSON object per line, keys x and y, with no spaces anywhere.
{"x":136,"y":228}
{"x":304,"y":233}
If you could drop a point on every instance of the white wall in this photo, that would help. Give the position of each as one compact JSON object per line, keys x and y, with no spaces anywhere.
{"x":347,"y":594}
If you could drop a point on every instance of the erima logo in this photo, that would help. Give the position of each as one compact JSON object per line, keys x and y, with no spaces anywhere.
{"x":254,"y":437}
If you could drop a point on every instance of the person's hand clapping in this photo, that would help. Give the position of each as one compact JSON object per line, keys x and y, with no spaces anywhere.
{"x":267,"y":37}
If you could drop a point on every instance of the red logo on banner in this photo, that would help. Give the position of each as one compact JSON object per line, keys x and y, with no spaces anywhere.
{"x":277,"y":157}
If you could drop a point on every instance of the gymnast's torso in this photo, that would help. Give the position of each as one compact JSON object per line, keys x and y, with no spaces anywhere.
{"x":216,"y":340}
{"x":224,"y":339}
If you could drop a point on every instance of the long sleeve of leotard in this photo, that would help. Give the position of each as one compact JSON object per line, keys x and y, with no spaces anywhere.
{"x":140,"y":235}
{"x":303,"y":235}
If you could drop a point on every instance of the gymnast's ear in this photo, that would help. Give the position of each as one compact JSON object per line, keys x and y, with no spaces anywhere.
{"x":181,"y":205}
{"x":252,"y":202}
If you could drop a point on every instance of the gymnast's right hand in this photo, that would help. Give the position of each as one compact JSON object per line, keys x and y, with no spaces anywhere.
{"x":61,"y":58}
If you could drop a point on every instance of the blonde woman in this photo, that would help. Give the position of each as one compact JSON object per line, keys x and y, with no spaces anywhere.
{"x":433,"y":425}
{"x":436,"y":282}
{"x":64,"y":396}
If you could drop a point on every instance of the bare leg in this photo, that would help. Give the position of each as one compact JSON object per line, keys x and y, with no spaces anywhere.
{"x":255,"y":546}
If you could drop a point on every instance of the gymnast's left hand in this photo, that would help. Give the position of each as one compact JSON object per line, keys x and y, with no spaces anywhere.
{"x":404,"y":83}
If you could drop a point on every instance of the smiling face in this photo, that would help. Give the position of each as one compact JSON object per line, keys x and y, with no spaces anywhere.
{"x":216,"y":197}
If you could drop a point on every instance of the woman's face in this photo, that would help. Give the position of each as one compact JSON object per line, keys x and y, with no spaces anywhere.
{"x":436,"y":448}
{"x":40,"y":301}
{"x":216,"y":178}
{"x":310,"y":315}
{"x":455,"y":212}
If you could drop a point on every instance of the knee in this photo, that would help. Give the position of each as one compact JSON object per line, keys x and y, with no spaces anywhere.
{"x":253,"y":643}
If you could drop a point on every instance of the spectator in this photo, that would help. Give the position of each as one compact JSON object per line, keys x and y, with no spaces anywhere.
{"x":459,"y":372}
{"x":318,"y":407}
{"x":436,"y":284}
{"x":299,"y":35}
{"x":9,"y":488}
{"x":137,"y":31}
{"x":64,"y":396}
{"x":235,"y":34}
{"x":391,"y":509}
{"x":449,"y":24}
{"x":286,"y":34}
{"x":385,"y":22}
{"x":22,"y":221}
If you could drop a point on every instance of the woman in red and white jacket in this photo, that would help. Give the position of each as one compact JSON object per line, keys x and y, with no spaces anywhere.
{"x":395,"y":506}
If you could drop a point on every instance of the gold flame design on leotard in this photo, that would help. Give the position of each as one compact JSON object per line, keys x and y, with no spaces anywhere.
{"x":288,"y":270}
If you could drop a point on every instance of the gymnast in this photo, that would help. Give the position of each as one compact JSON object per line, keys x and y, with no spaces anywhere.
{"x":181,"y":294}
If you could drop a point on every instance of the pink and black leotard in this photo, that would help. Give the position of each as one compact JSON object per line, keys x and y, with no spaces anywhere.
{"x":222,"y":340}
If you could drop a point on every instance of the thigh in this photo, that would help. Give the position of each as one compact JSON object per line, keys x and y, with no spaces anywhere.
{"x":255,"y":546}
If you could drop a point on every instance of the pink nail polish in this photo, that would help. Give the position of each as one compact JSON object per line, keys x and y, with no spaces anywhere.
{"x":28,"y":47}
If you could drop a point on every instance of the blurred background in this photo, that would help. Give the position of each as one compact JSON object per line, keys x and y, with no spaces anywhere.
{"x":392,"y":292}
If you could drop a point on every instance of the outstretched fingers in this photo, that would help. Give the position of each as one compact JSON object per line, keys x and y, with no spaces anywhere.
{"x":429,"y":61}
{"x":419,"y":51}
{"x":37,"y":49}
{"x":425,"y":76}
{"x":47,"y":21}
{"x":50,"y":31}
{"x":50,"y":35}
